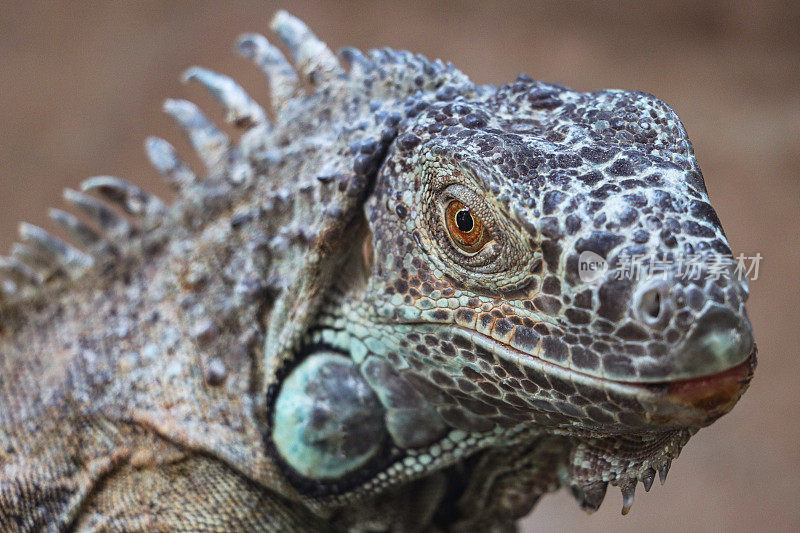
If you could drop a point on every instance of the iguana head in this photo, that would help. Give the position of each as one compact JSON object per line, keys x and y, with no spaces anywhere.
{"x":483,"y":219}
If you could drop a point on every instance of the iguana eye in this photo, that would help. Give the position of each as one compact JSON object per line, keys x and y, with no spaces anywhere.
{"x":465,"y":228}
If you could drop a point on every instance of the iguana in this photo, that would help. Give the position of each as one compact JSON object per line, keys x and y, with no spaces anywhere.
{"x":369,"y":313}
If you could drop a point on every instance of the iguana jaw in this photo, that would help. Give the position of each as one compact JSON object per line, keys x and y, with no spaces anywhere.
{"x":694,"y":402}
{"x":673,"y":411}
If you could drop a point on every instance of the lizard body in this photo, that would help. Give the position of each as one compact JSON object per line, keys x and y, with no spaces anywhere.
{"x":368,"y":314}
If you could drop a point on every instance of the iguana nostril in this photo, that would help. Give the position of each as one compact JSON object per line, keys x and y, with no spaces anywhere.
{"x":653,"y":304}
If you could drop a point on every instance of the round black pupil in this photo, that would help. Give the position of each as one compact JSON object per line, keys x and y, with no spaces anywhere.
{"x":464,"y":221}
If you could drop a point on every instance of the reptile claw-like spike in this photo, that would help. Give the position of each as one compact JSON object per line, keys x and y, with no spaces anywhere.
{"x":355,"y":58}
{"x":240,"y":109}
{"x":313,"y":59}
{"x":591,"y":496}
{"x":64,"y":254}
{"x":109,"y":222}
{"x":31,"y":257}
{"x":165,"y":160}
{"x":18,"y":271}
{"x":663,"y":471}
{"x":628,"y":492}
{"x":132,"y":199}
{"x":75,"y":227}
{"x":210,"y":143}
{"x":282,"y":77}
{"x":648,"y":478}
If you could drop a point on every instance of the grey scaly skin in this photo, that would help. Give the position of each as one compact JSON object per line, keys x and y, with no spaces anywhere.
{"x":367,"y":314}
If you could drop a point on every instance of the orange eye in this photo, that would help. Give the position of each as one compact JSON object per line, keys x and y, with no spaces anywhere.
{"x":465,"y":227}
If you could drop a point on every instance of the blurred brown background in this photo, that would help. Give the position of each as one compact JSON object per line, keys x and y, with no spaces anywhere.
{"x":81,"y":85}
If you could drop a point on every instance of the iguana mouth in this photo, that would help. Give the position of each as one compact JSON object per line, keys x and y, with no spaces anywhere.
{"x":693,"y":402}
{"x":715,"y":394}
